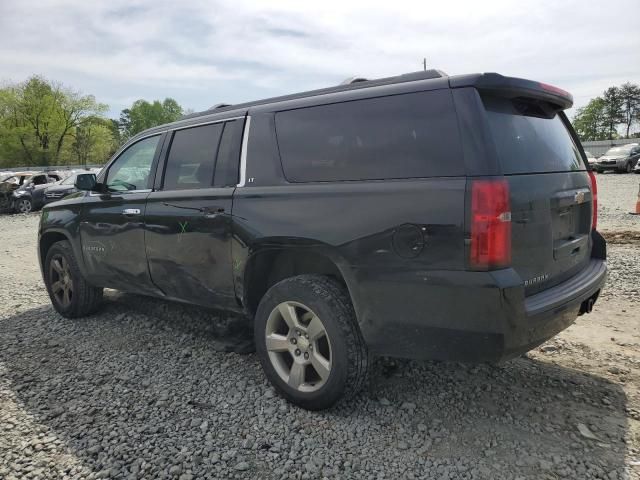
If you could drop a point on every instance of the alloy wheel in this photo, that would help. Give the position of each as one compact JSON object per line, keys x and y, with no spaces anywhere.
{"x":61,"y":281}
{"x":24,"y":206}
{"x":298,"y":346}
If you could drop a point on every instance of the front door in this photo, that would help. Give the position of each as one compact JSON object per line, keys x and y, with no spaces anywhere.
{"x":112,"y":226}
{"x":188,"y":217}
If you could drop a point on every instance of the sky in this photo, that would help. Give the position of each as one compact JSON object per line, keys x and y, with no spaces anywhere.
{"x":205,"y":52}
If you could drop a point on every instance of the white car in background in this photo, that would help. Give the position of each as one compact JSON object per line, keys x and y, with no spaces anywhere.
{"x":591,"y":159}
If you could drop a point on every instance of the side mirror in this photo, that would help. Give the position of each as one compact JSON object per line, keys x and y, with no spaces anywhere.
{"x":86,"y":181}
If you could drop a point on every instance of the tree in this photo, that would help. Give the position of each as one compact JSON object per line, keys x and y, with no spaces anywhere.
{"x":142,"y":115}
{"x":589,"y":121}
{"x":37,"y":117}
{"x":630,"y":94}
{"x":93,"y":141}
{"x":613,"y":111}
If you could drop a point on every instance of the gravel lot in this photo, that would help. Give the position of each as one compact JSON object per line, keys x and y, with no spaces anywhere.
{"x":149,"y":389}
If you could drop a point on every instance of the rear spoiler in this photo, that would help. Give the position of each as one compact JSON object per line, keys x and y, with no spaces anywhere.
{"x":511,"y":87}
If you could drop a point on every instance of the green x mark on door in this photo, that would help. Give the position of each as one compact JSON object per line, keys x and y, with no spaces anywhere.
{"x":183,"y":229}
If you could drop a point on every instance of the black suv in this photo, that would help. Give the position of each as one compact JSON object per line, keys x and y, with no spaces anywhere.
{"x":419,"y":216}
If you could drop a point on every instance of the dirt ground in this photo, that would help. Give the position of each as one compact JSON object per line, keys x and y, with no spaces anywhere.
{"x":149,"y":389}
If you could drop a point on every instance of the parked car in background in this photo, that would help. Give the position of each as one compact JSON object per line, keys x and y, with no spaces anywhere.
{"x":9,"y":182}
{"x":61,"y":189}
{"x":29,"y":195}
{"x":619,"y":159}
{"x":591,"y":159}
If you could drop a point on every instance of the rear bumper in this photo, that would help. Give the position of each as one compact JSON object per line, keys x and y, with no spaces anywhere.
{"x":471,"y":316}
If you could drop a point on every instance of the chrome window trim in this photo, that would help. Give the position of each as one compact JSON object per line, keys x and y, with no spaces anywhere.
{"x":243,"y":153}
{"x":118,"y":192}
{"x":183,"y":127}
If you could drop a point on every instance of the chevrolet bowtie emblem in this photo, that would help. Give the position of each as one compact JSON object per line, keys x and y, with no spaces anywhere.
{"x":579,"y":197}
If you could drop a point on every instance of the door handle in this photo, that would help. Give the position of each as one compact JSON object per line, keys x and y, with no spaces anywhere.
{"x":131,"y":211}
{"x":212,"y":212}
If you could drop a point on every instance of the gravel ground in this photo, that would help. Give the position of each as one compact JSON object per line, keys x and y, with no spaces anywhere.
{"x":150,"y":389}
{"x":617,"y":196}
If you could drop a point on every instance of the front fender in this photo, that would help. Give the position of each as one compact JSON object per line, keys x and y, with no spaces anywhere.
{"x":61,"y":221}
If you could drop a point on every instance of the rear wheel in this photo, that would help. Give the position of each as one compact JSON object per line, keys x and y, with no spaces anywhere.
{"x":309,"y":343}
{"x":70,"y":294}
{"x":23,"y":205}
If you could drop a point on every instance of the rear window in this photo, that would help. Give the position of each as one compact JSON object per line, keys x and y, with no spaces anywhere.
{"x":528,"y":141}
{"x":400,"y":136}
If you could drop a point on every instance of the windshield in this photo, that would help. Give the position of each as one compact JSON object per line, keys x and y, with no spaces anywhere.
{"x":623,"y":150}
{"x":69,"y":180}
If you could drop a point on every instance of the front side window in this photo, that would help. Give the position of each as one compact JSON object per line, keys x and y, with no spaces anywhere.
{"x":131,"y":169}
{"x":192,"y":157}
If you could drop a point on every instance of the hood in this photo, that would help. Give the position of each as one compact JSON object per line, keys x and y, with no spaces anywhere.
{"x":612,"y":157}
{"x":60,"y":188}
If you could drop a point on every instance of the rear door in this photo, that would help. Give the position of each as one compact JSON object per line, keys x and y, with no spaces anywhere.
{"x":550,"y":189}
{"x":188,"y":216}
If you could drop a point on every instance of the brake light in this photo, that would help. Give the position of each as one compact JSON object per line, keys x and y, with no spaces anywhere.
{"x":553,"y":89}
{"x":594,"y":196}
{"x":490,"y":224}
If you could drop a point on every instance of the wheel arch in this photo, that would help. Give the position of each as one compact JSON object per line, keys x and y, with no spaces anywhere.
{"x":48,"y":238}
{"x":267,"y":266}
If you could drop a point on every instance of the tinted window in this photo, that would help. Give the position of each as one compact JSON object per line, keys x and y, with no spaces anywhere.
{"x":131,"y":169}
{"x":529,"y":142}
{"x":192,"y":157}
{"x":228,"y":161}
{"x":401,"y":136}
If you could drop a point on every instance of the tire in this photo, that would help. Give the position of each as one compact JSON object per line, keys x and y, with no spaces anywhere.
{"x":599,"y":171}
{"x":23,"y":205}
{"x":305,"y":301}
{"x":629,"y":167}
{"x":70,"y":294}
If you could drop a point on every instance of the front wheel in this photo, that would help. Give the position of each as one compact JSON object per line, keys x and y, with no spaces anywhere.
{"x":23,"y":205}
{"x":70,"y":294}
{"x":309,"y":343}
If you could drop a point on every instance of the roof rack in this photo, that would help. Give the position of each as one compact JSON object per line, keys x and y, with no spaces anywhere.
{"x":350,"y":80}
{"x":351,"y":83}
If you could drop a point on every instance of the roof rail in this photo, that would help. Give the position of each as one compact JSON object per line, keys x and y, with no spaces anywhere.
{"x":219,"y":105}
{"x":405,"y":77}
{"x":350,"y":80}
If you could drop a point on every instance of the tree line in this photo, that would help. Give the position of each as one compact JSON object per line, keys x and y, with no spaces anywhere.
{"x":611,"y":115}
{"x":44,"y":123}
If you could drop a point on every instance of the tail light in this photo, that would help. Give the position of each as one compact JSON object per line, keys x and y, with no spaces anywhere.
{"x":594,"y":196}
{"x":490,"y":224}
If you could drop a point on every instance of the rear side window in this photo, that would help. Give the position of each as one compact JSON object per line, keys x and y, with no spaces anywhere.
{"x":530,"y":140}
{"x":400,"y":136}
{"x":228,"y":162}
{"x":192,"y":157}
